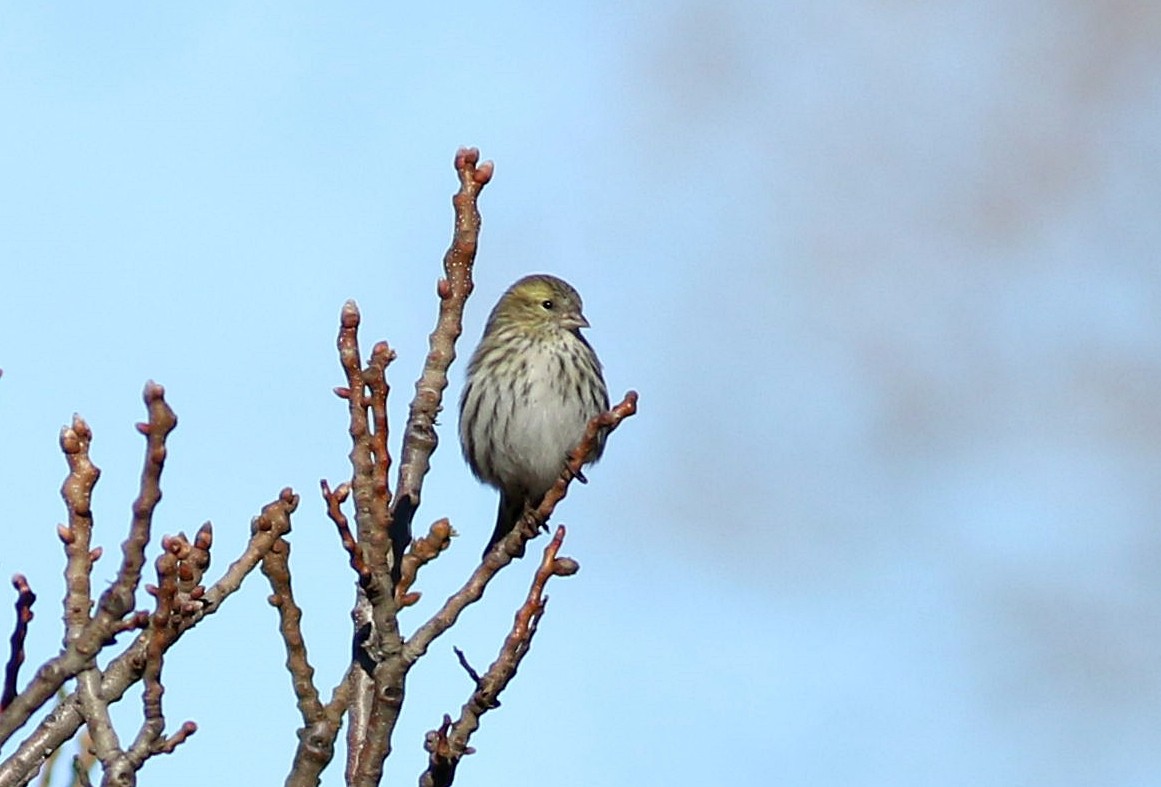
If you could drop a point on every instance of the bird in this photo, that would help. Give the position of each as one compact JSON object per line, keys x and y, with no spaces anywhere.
{"x":533,"y":384}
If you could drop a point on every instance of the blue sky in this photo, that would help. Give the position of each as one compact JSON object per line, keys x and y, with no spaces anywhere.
{"x":885,"y":276}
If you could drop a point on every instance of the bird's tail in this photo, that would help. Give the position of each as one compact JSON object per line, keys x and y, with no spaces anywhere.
{"x":511,"y":508}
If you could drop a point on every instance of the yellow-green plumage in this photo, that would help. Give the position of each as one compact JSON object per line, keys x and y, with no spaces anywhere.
{"x":533,"y":385}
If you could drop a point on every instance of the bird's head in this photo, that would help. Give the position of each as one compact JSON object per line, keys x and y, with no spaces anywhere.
{"x":541,"y":301}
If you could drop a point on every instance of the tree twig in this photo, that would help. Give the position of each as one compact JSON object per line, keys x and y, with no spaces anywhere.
{"x":121,"y":765}
{"x":117,"y":601}
{"x":77,"y":491}
{"x":447,"y":745}
{"x":320,"y":723}
{"x":334,"y":500}
{"x":513,"y":544}
{"x":25,"y":598}
{"x":127,"y":668}
{"x":377,"y":639}
{"x":377,"y":693}
{"x":419,"y":439}
{"x":423,"y":550}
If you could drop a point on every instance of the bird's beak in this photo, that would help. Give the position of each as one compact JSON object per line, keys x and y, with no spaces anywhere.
{"x":576,"y":320}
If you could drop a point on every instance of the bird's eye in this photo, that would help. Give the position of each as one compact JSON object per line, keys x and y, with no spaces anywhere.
{"x":548,"y":305}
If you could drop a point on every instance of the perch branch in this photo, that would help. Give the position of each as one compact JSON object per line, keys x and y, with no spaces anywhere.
{"x":513,"y":544}
{"x":447,"y":745}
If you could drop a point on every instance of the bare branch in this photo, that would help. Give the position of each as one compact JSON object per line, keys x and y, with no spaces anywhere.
{"x":374,"y":709}
{"x":83,"y":643}
{"x":25,"y":598}
{"x":121,"y":766}
{"x":419,"y":439}
{"x":534,"y":520}
{"x":423,"y":550}
{"x":512,"y":545}
{"x":316,"y":740}
{"x":77,"y":491}
{"x":276,"y":567}
{"x":334,"y":501}
{"x":321,"y":723}
{"x":468,"y":668}
{"x":265,"y":530}
{"x":118,"y":599}
{"x":81,"y":765}
{"x":380,"y":550}
{"x":375,"y":378}
{"x":447,"y":745}
{"x":361,"y":687}
{"x":441,"y":761}
{"x":127,"y":668}
{"x":369,"y":459}
{"x":106,"y":744}
{"x":151,"y":734}
{"x":167,"y":745}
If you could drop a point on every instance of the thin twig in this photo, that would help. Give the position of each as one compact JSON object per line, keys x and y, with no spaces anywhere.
{"x":25,"y":598}
{"x":320,"y":723}
{"x":375,"y":378}
{"x":534,"y":520}
{"x":127,"y":668}
{"x":121,"y":766}
{"x":468,"y":668}
{"x":334,"y":500}
{"x":153,"y":724}
{"x":447,"y":745}
{"x":276,"y":567}
{"x":419,"y":438}
{"x":384,"y":645}
{"x":77,"y":491}
{"x":513,"y":544}
{"x":423,"y":550}
{"x":369,"y":460}
{"x":117,"y":601}
{"x":372,"y":708}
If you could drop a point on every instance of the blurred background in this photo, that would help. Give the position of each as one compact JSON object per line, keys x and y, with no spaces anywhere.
{"x":884,"y":273}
